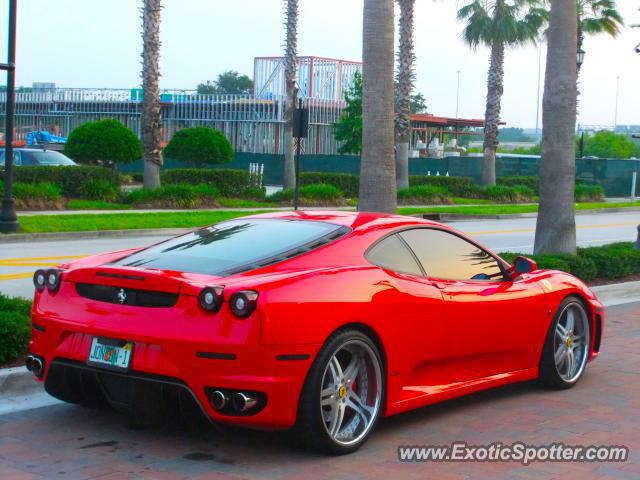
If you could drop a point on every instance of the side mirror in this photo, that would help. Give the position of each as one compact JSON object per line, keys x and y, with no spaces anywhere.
{"x":524,"y":265}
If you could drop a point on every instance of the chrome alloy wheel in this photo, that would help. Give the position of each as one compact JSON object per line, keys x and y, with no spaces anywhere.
{"x":351,"y":392}
{"x":571,"y":342}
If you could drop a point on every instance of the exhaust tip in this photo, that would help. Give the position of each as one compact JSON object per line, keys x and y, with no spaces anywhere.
{"x":28,"y":362}
{"x":219,"y":399}
{"x":37,"y":367}
{"x":242,"y":402}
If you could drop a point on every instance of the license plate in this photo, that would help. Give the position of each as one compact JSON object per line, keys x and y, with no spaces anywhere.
{"x":110,"y":354}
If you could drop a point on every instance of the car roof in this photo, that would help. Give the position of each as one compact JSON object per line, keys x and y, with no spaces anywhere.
{"x":357,"y":221}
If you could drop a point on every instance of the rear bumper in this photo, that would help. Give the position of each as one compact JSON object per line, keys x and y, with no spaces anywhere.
{"x":188,"y":366}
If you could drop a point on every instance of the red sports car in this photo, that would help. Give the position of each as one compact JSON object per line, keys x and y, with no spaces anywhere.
{"x":321,"y":321}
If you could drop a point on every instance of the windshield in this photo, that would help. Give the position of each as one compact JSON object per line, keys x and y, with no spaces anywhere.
{"x":235,"y":246}
{"x":48,"y":157}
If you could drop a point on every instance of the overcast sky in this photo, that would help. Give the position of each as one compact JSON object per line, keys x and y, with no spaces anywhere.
{"x":96,"y":43}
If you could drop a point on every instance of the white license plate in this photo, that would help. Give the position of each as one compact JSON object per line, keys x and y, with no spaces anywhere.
{"x":110,"y":354}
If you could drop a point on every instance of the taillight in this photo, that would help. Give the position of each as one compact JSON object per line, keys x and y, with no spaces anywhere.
{"x":53,"y":279}
{"x":40,"y":280}
{"x":210,"y":298}
{"x":244,"y":303}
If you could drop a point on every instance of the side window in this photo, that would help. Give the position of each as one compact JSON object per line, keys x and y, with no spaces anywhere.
{"x":445,"y":255}
{"x":392,"y":254}
{"x":17,"y":158}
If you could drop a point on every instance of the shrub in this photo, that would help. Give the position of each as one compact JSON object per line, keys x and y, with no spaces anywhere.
{"x":281,"y":196}
{"x":174,"y":196}
{"x":99,"y":189}
{"x":321,"y":191}
{"x":103,"y":142}
{"x":15,"y":328}
{"x":71,"y":180}
{"x":505,"y":194}
{"x":586,"y":192}
{"x":423,"y":194}
{"x":36,"y":196}
{"x":199,"y":146}
{"x":349,"y":184}
{"x":457,"y":186}
{"x":230,"y":183}
{"x":532,"y":182}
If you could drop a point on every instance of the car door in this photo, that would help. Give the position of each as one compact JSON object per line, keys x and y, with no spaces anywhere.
{"x":493,"y":323}
{"x":415,"y":313}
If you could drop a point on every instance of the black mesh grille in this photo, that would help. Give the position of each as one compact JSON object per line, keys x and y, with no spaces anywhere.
{"x":127,"y":296}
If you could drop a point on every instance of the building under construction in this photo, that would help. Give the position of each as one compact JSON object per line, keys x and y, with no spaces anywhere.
{"x":252,"y":123}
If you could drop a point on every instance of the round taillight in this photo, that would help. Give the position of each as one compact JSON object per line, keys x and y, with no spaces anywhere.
{"x":244,"y":303}
{"x":40,"y":280}
{"x":210,"y":298}
{"x":53,"y":279}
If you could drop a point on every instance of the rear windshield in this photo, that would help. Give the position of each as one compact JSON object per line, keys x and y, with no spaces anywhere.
{"x":235,"y":246}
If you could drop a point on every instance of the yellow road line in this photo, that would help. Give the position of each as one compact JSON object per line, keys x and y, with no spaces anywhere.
{"x":60,"y":257}
{"x":28,"y":264}
{"x":15,"y":276}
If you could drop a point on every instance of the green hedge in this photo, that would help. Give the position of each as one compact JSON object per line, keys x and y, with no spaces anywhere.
{"x":94,"y":183}
{"x":532,"y":182}
{"x":509,"y":194}
{"x":586,"y":192}
{"x":15,"y":328}
{"x":173,"y":196}
{"x":456,"y":185}
{"x":346,"y":182}
{"x":230,"y":183}
{"x":615,"y":260}
{"x":318,"y":192}
{"x":423,"y":194}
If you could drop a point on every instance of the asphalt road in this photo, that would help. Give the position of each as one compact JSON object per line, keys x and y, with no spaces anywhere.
{"x":19,"y":260}
{"x":74,"y":443}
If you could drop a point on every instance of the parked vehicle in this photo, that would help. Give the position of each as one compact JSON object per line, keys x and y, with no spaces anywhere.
{"x":321,"y":321}
{"x":31,"y":157}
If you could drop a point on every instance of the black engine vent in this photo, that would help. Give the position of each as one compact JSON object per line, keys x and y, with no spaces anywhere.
{"x":126,"y":296}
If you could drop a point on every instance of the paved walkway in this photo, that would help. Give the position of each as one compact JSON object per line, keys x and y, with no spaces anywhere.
{"x":70,"y":442}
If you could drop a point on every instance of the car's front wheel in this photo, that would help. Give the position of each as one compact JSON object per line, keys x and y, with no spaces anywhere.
{"x":566,"y":348}
{"x":343,"y":394}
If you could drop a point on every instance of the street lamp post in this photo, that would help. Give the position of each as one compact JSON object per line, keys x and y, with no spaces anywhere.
{"x":8,"y":218}
{"x":457,"y":127}
{"x":580,"y":57}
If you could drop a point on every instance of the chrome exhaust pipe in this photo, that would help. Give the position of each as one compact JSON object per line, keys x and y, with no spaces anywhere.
{"x":219,"y":399}
{"x":242,"y":402}
{"x":37,"y":367}
{"x":28,"y":362}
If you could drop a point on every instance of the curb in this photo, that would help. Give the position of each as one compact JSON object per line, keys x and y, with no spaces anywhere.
{"x":618,"y":293}
{"x":454,"y":217}
{"x":97,"y":234}
{"x":19,"y":390}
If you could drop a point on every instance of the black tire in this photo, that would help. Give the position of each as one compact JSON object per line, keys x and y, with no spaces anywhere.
{"x":310,"y":428}
{"x":548,"y":375}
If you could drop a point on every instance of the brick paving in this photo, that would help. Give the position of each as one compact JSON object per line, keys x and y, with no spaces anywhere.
{"x":70,"y":442}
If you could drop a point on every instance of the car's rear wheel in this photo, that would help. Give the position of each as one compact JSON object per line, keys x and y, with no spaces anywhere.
{"x":566,"y":347}
{"x":343,"y":394}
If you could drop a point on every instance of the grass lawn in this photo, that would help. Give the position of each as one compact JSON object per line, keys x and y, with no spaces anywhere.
{"x":192,"y":219}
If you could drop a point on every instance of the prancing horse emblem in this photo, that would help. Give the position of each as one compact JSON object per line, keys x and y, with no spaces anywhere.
{"x":122,"y":295}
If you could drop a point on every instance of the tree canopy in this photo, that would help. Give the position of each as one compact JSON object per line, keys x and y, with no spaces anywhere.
{"x":607,"y":144}
{"x":103,"y":142}
{"x":199,"y":146}
{"x":228,"y":83}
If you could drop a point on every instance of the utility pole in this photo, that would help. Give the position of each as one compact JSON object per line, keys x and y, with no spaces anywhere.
{"x":457,"y":127}
{"x":615,"y":118}
{"x":8,"y":218}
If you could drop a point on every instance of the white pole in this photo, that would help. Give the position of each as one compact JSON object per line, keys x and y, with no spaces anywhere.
{"x":615,"y":123}
{"x":634,"y":179}
{"x":538,"y":97}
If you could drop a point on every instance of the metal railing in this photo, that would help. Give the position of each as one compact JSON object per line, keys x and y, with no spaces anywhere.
{"x":251,"y":124}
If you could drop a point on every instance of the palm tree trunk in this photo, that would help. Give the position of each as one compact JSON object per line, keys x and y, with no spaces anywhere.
{"x":405,"y":77}
{"x":378,"y":167}
{"x":556,"y":225}
{"x":151,"y":121}
{"x":290,"y":62}
{"x":495,"y":89}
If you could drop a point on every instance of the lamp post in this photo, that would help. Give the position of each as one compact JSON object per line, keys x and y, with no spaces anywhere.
{"x":8,"y":218}
{"x":580,"y":57}
{"x":615,"y":117}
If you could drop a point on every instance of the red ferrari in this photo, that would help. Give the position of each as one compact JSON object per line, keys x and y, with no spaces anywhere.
{"x":320,"y":321}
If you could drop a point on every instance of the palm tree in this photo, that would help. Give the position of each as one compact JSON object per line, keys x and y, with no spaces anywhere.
{"x":151,"y":121}
{"x":404,"y":77}
{"x":498,"y":24}
{"x":556,"y":225}
{"x":377,"y":168}
{"x":290,"y":64}
{"x":597,"y":16}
